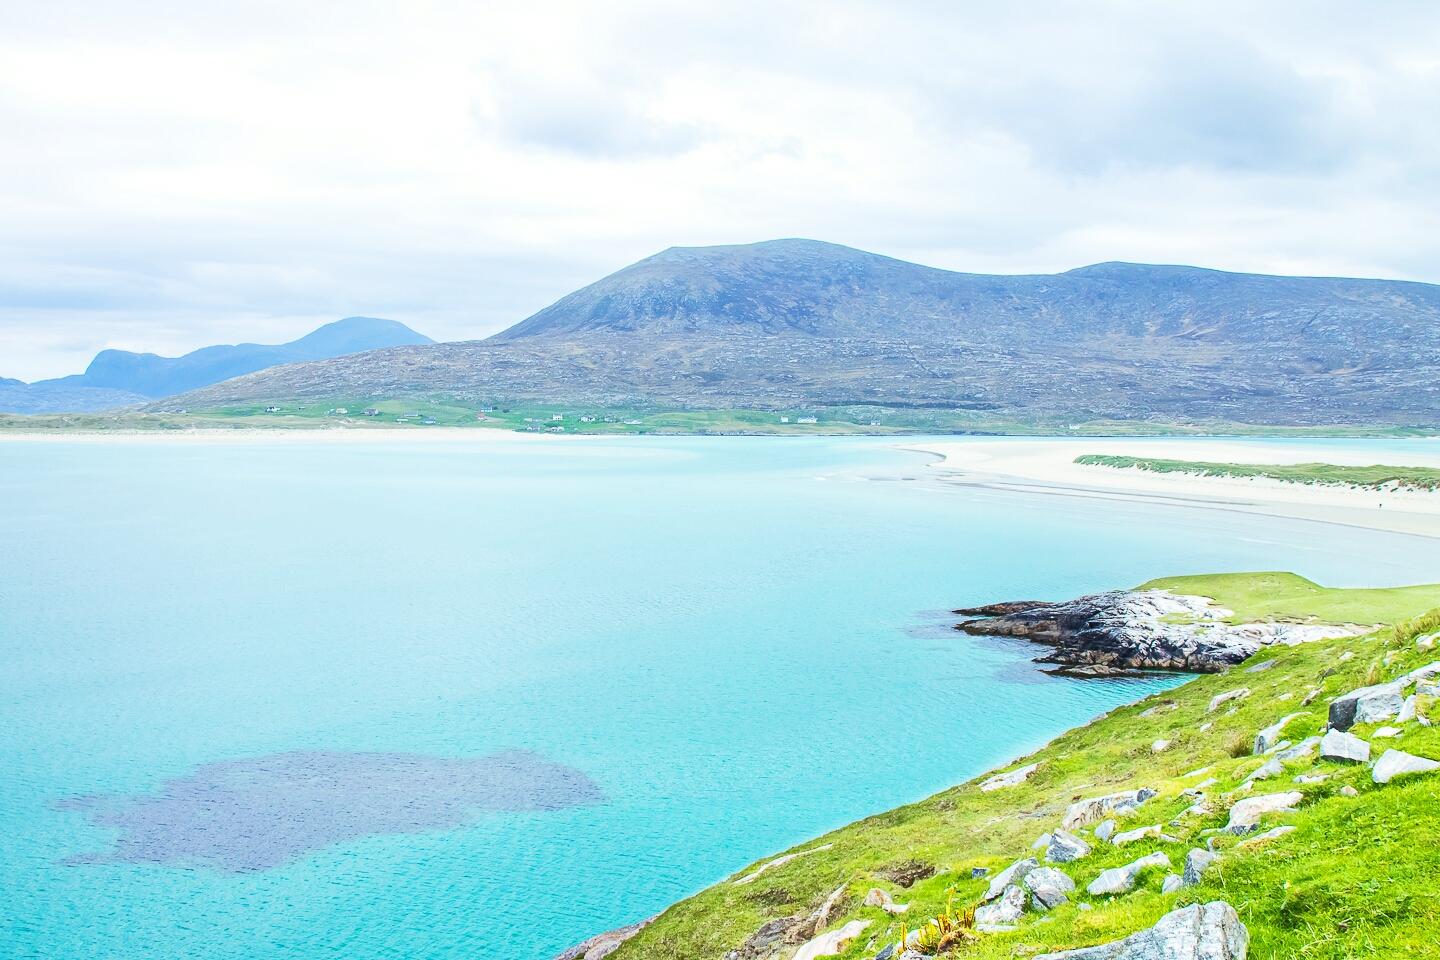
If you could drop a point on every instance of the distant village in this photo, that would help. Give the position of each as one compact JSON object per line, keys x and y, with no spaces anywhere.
{"x":550,"y":423}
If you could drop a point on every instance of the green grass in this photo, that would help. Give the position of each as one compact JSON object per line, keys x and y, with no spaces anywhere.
{"x":1374,"y":477}
{"x":1285,"y":596}
{"x":1354,"y":881}
{"x":449,"y":411}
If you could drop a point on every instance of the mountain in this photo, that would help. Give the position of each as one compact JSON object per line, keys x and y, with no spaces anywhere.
{"x":120,"y":378}
{"x":792,"y":323}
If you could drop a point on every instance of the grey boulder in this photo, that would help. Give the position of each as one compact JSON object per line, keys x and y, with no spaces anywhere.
{"x":1210,"y":931}
{"x":1122,"y":879}
{"x":1394,"y":763}
{"x":1344,"y":746}
{"x":1197,"y":861}
{"x":1048,"y":887}
{"x":1066,"y":848}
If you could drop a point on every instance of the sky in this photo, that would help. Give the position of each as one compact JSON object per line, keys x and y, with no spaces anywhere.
{"x":176,"y":174}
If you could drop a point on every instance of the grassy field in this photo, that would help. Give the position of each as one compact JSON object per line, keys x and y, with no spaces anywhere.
{"x":1374,"y":477}
{"x":1285,"y":596}
{"x":1354,"y":880}
{"x":432,"y":411}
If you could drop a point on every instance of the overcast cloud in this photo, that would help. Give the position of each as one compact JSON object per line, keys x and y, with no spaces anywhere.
{"x":177,"y":174}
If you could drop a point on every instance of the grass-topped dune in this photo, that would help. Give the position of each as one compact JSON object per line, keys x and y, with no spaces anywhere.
{"x":1357,"y":877}
{"x":1372,"y":477}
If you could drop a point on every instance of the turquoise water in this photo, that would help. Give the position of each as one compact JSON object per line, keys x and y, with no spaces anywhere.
{"x":709,"y":649}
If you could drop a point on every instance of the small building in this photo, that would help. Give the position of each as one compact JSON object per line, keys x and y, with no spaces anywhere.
{"x":557,"y":416}
{"x":342,"y":411}
{"x":272,"y":409}
{"x":808,"y":420}
{"x":784,"y":419}
{"x":372,"y":412}
{"x":587,"y":419}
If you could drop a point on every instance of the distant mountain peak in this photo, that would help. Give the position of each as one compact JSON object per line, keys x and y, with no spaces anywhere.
{"x":120,"y":377}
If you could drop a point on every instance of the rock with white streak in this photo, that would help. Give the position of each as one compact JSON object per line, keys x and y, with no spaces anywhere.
{"x":1011,"y":874}
{"x":1122,"y":879}
{"x":779,"y":862}
{"x":1013,"y":778}
{"x":1004,"y":910}
{"x":832,"y":943}
{"x":1268,"y":737}
{"x":1210,"y":931}
{"x":1246,"y":814}
{"x":1048,"y":887}
{"x":1066,"y":848}
{"x":1395,"y":763}
{"x":1344,"y":747}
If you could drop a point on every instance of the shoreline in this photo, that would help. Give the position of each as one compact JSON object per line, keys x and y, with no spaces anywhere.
{"x":1047,"y":467}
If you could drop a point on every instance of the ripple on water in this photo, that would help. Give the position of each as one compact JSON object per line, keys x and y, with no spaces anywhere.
{"x":238,"y":816}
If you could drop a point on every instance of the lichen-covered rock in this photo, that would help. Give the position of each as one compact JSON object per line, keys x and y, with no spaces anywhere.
{"x":1171,"y":883}
{"x":1128,"y":630}
{"x":1066,"y":848}
{"x":1210,"y":931}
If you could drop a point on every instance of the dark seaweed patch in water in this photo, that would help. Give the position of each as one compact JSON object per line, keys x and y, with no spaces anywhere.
{"x":237,"y":816}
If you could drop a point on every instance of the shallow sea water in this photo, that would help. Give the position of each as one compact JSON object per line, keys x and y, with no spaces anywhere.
{"x":365,"y":700}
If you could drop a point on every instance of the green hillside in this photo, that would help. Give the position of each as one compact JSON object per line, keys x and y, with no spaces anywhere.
{"x":1355,"y":879}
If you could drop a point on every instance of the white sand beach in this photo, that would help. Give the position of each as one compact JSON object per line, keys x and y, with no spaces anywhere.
{"x":1048,"y":466}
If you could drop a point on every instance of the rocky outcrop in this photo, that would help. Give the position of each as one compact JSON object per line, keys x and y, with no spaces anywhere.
{"x":1210,"y":931}
{"x":829,"y":944}
{"x":1140,"y":630}
{"x":603,"y":944}
{"x":1381,"y":701}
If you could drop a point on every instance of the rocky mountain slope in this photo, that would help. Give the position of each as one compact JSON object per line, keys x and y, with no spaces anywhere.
{"x":1229,"y":817}
{"x":791,"y":323}
{"x":120,"y":377}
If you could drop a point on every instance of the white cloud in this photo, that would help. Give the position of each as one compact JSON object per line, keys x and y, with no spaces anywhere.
{"x":175,"y":174}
